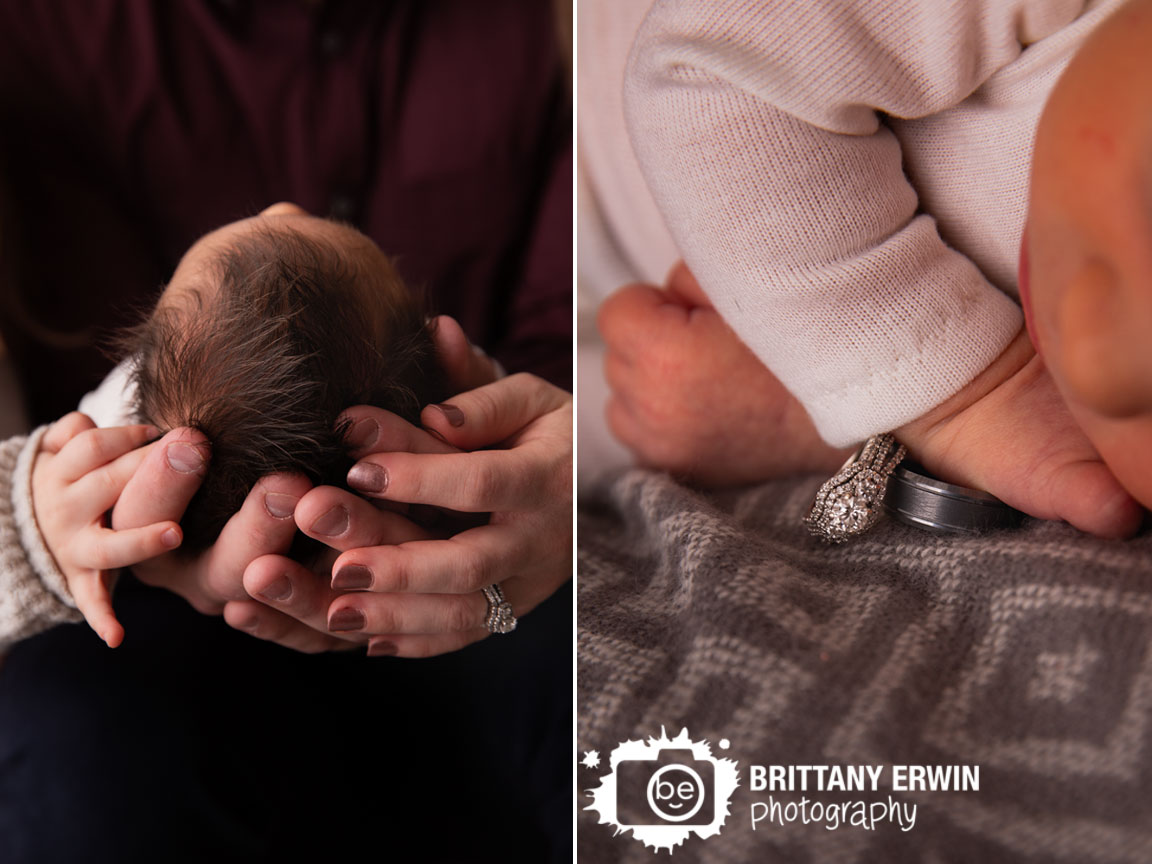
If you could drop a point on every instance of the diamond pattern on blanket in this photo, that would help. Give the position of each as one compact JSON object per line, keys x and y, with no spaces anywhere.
{"x":1028,"y":653}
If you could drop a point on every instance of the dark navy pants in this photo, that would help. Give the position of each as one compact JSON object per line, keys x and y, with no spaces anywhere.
{"x":193,"y":742}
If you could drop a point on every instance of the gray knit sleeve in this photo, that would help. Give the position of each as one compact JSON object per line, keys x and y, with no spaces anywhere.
{"x":33,"y":592}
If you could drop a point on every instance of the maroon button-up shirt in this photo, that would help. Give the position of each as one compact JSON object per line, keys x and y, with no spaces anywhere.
{"x":440,"y":128}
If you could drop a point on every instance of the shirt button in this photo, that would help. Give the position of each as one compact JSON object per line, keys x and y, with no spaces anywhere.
{"x":331,"y":42}
{"x":342,"y":207}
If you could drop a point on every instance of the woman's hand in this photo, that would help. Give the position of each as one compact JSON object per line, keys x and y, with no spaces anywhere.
{"x":421,"y":595}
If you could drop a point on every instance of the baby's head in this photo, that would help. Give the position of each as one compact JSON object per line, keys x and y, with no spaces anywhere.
{"x":1086,"y":274}
{"x":268,"y":330}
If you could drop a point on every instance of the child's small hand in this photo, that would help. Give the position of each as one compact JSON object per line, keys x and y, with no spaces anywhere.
{"x":1010,"y":433}
{"x":79,"y":473}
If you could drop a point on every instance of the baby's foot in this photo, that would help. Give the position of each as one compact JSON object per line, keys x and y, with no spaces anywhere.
{"x":1010,"y":433}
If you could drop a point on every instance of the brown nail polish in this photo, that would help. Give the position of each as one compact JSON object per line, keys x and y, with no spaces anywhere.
{"x":382,"y":648}
{"x":368,"y":477}
{"x":278,"y":591}
{"x":451,"y":413}
{"x":347,"y":619}
{"x":363,"y":433}
{"x":333,"y":523}
{"x":352,"y":577}
{"x":185,"y":458}
{"x":279,"y":505}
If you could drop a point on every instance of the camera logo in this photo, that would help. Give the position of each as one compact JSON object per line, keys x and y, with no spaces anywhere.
{"x":677,"y":787}
{"x":665,"y":789}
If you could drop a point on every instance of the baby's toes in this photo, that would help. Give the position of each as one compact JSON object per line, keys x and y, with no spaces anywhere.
{"x":1088,"y":497}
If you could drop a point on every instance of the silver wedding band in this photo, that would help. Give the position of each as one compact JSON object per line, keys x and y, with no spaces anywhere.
{"x":878,"y":479}
{"x":919,"y":499}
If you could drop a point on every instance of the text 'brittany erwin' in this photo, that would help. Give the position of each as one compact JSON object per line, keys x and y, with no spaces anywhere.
{"x":863,"y":778}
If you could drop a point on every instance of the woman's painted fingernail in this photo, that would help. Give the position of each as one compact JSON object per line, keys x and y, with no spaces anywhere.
{"x":332,"y":523}
{"x":352,"y":577}
{"x":452,"y":414}
{"x":170,"y":538}
{"x":185,"y":458}
{"x":382,"y":648}
{"x":368,"y":477}
{"x":363,"y":433}
{"x":279,"y":591}
{"x":346,"y":619}
{"x":279,"y":505}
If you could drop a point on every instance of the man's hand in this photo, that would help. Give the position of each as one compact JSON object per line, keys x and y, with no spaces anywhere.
{"x":690,"y":398}
{"x":213,"y":581}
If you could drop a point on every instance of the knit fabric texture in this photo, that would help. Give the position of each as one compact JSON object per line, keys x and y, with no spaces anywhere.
{"x":848,"y":181}
{"x":1025,"y":652}
{"x":33,"y":592}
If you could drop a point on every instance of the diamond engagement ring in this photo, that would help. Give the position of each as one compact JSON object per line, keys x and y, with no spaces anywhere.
{"x":852,"y":501}
{"x":499,"y":618}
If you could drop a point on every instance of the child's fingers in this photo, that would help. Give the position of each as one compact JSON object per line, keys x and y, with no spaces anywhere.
{"x":95,"y":447}
{"x":101,"y":488}
{"x":114,"y":549}
{"x":64,"y":430}
{"x":94,"y":600}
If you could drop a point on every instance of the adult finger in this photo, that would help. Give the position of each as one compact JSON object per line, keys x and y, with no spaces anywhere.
{"x":263,"y":525}
{"x":485,"y":481}
{"x":466,"y":562}
{"x":343,"y":521}
{"x":92,"y":448}
{"x":64,"y":430}
{"x":270,"y":625}
{"x":490,"y":414}
{"x":362,"y":612}
{"x":374,"y":430}
{"x":165,"y":481}
{"x":93,"y":597}
{"x":422,"y":645}
{"x":465,"y":365}
{"x":291,"y":588}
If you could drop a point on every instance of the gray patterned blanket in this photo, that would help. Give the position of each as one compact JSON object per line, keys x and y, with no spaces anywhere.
{"x":1027,"y":654}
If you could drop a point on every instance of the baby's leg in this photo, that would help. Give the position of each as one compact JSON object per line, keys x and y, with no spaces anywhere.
{"x":1011,"y":433}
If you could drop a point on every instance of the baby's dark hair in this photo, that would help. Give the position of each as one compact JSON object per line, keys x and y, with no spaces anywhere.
{"x":294,"y":333}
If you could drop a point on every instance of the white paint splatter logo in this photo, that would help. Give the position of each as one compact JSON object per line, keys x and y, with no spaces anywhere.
{"x":666,"y":789}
